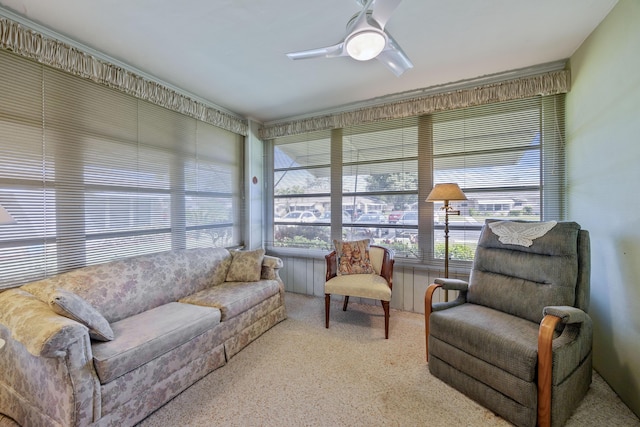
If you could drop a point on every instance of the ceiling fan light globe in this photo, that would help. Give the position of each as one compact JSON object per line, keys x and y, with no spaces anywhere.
{"x":365,"y":45}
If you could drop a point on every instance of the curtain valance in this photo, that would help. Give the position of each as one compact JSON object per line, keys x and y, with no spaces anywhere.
{"x":549,"y":83}
{"x":33,"y":45}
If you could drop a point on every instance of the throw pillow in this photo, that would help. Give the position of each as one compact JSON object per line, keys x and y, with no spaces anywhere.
{"x":353,"y":257}
{"x":70,"y":305}
{"x":246,"y":266}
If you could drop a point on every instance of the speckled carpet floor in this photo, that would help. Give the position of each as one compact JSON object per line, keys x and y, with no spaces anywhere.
{"x":301,"y":374}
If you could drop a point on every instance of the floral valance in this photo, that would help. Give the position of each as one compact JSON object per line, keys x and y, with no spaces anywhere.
{"x":31,"y":44}
{"x":549,"y":83}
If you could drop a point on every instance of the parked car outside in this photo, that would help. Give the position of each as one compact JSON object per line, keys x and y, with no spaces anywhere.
{"x":394,"y":216}
{"x":370,"y":218}
{"x":326,"y":217}
{"x":408,"y":218}
{"x":353,"y":215}
{"x":298,"y":216}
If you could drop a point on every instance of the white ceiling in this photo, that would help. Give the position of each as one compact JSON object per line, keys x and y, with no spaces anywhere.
{"x":232,"y":52}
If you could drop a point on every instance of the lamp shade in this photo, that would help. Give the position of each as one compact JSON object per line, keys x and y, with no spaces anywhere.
{"x":5,"y":217}
{"x":446,"y":192}
{"x":365,"y":45}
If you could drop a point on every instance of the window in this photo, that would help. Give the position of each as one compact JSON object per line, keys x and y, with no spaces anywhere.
{"x":372,"y":179}
{"x":379,"y":178}
{"x":91,"y":174}
{"x":301,"y":191}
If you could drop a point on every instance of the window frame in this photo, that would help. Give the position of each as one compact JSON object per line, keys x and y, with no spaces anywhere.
{"x":550,"y":122}
{"x":78,"y":203}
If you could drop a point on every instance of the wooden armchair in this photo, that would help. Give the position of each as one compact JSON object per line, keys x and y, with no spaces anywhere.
{"x":375,"y":286}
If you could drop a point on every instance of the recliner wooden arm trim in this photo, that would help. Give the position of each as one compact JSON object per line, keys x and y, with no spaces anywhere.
{"x":545,"y":365}
{"x":428,"y":298}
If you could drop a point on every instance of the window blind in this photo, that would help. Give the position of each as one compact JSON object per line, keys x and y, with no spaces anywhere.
{"x":508,"y":158}
{"x":302,"y":191}
{"x":91,"y":174}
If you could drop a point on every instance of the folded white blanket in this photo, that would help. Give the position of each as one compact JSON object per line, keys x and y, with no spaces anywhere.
{"x":520,"y":233}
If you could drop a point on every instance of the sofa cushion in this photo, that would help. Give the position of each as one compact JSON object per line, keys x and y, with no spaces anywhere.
{"x":70,"y":305}
{"x":150,"y":334}
{"x":246,"y":266}
{"x":233,"y":298}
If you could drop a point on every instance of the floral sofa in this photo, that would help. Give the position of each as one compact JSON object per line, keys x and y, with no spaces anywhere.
{"x":108,"y":344}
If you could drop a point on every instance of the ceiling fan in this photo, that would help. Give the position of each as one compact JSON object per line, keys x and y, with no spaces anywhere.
{"x":366,"y":39}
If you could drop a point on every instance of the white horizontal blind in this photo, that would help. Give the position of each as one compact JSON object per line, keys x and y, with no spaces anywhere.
{"x":302,"y":191}
{"x":91,"y":174}
{"x":501,"y":156}
{"x":507,"y":157}
{"x":380,"y":176}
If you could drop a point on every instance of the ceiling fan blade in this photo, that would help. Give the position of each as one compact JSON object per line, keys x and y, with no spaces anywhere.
{"x":382,"y":10}
{"x":395,"y":58}
{"x":321,"y":52}
{"x":360,"y":21}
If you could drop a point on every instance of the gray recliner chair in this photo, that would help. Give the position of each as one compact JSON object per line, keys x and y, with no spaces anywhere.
{"x":518,"y":338}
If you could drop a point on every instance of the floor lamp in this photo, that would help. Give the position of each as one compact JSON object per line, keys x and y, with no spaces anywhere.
{"x":445,"y":193}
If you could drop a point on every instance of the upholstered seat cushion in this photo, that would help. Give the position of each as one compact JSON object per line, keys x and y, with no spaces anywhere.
{"x":507,"y":342}
{"x":233,"y":298}
{"x":148,"y":335}
{"x":499,"y":350}
{"x":359,"y":285}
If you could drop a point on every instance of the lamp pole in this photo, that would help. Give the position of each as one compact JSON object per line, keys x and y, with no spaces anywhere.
{"x":448,"y":210}
{"x":445,"y":193}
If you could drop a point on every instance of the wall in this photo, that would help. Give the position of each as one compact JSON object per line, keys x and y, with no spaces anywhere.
{"x":603,"y":162}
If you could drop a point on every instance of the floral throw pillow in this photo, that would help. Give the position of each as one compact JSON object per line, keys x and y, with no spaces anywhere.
{"x":70,"y":305}
{"x":246,"y":266}
{"x":353,"y":257}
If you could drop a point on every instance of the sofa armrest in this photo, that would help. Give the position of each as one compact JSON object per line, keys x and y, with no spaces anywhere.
{"x":47,"y":364}
{"x":270,"y":267}
{"x":272,"y":262}
{"x":36,"y":326}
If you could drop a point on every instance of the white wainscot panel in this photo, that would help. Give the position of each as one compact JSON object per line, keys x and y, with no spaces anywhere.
{"x":306,"y":275}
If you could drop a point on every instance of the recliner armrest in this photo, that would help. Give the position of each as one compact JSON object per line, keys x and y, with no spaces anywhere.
{"x":566,"y":313}
{"x":430,"y":306}
{"x":452,"y":284}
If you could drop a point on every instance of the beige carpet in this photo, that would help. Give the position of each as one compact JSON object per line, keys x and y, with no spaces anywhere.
{"x":301,"y":374}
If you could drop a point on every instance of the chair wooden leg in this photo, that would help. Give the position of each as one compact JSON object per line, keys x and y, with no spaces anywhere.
{"x":385,"y":306}
{"x":346,"y":301}
{"x":327,"y":303}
